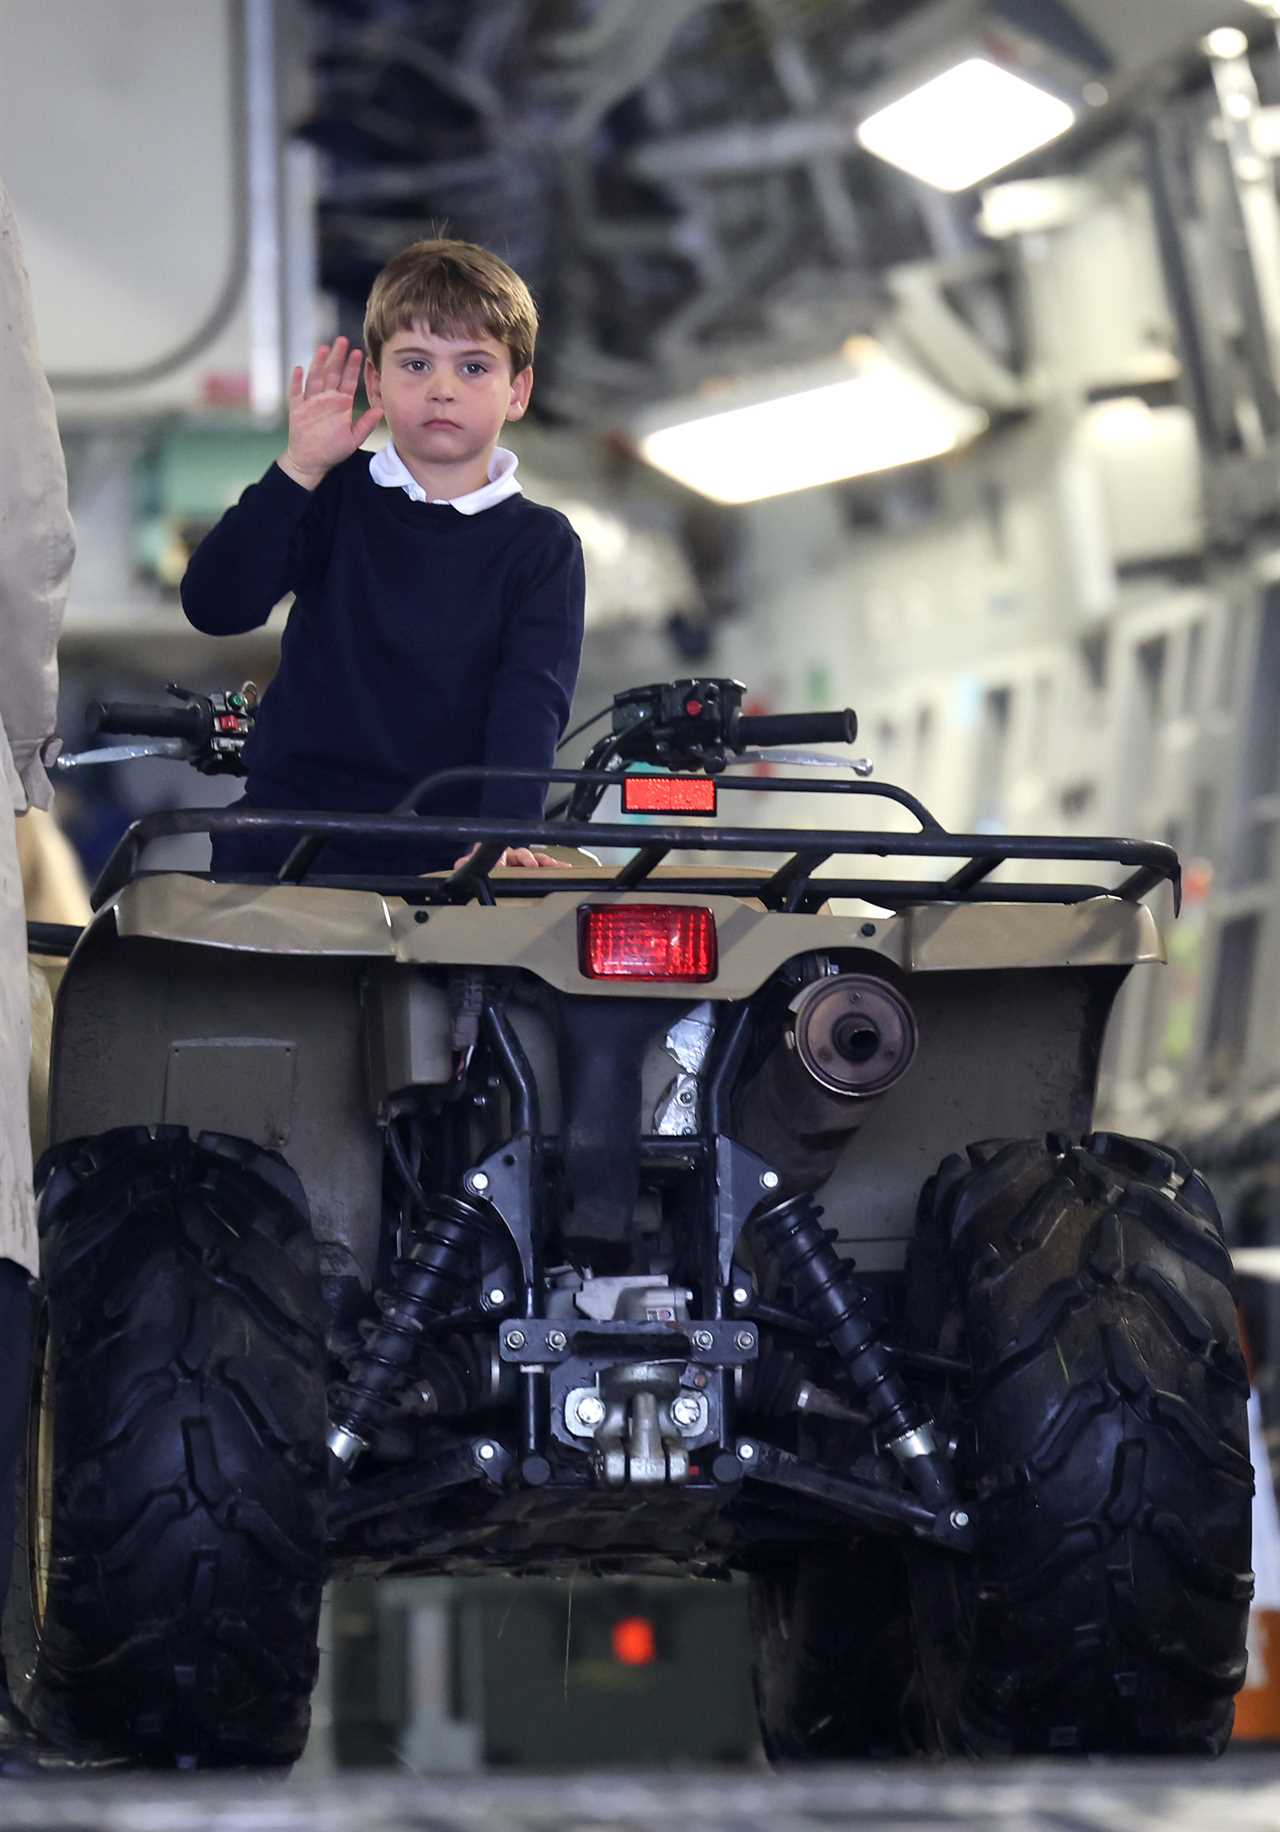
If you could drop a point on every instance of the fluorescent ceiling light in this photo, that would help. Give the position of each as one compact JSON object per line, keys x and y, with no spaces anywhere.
{"x":876,"y":419}
{"x":1226,"y":43}
{"x":961,"y":126}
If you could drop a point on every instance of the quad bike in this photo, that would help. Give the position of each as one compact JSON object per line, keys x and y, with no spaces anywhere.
{"x":663,"y":1217}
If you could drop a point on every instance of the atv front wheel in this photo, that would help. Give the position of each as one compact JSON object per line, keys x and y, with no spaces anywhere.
{"x":1104,"y":1439}
{"x":167,"y":1586}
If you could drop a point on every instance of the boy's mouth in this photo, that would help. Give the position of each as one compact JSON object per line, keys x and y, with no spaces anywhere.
{"x":440,"y":425}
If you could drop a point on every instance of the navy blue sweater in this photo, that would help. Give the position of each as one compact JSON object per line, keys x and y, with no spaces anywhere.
{"x":420,"y":639}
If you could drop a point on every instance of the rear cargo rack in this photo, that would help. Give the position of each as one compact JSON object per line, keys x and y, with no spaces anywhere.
{"x":789,"y":884}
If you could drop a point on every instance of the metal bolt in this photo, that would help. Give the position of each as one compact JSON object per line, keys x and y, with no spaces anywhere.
{"x":741,"y":1295}
{"x":769,"y":1180}
{"x":477,"y":1181}
{"x":686,"y":1411}
{"x":744,"y":1340}
{"x":703,"y":1339}
{"x":590,"y":1411}
{"x":486,"y":1452}
{"x":497,"y":1296}
{"x":959,"y":1518}
{"x":746,"y":1451}
{"x":557,"y":1340}
{"x":685,"y":1097}
{"x":515,"y":1338}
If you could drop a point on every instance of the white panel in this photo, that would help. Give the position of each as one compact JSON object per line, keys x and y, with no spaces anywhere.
{"x":1147,"y":465}
{"x":1098,"y":303}
{"x":116,"y":146}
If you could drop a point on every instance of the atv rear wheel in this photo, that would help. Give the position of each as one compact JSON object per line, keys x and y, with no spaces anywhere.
{"x":1104,"y":1437}
{"x":167,"y":1585}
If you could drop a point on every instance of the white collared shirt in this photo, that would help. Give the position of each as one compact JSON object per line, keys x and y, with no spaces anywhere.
{"x":388,"y":468}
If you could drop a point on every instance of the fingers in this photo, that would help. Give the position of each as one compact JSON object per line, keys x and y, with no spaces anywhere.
{"x":350,"y":378}
{"x":334,"y":363}
{"x":335,"y":368}
{"x":530,"y":860}
{"x":365,"y":424}
{"x":315,"y":374}
{"x":522,"y":856}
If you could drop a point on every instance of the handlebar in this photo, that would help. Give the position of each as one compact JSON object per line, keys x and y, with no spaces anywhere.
{"x":756,"y":731}
{"x":207,"y":730}
{"x":192,"y":722}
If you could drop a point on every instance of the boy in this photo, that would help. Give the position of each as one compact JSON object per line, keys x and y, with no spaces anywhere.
{"x":437,"y":619}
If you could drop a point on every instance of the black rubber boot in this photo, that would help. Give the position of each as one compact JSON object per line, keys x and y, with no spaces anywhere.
{"x":15,"y":1356}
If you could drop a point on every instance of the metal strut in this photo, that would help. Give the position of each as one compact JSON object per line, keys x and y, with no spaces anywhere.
{"x":423,"y":1287}
{"x":833,"y":1299}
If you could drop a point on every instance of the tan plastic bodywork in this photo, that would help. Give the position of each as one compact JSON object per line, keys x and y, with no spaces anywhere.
{"x":249,"y":1011}
{"x":540,"y":934}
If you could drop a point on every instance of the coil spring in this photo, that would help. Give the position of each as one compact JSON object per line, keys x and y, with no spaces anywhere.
{"x":833,"y":1299}
{"x":423,"y":1286}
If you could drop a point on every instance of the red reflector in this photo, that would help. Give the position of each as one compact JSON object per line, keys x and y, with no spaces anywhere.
{"x":633,"y":1642}
{"x":668,"y":795}
{"x":646,"y":941}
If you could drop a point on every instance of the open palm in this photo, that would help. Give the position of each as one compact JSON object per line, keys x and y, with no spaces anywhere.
{"x":321,"y":431}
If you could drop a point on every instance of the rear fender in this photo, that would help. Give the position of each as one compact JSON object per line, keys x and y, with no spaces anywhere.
{"x":266,"y":1047}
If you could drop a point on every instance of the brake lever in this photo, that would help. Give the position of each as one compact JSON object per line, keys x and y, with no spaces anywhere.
{"x":812,"y":760}
{"x":125,"y":753}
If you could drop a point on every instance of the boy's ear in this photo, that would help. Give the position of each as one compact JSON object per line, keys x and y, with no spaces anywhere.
{"x":372,"y":382}
{"x":521,"y":389}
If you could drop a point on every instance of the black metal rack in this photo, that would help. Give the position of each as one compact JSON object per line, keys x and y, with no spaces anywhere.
{"x":790,"y":885}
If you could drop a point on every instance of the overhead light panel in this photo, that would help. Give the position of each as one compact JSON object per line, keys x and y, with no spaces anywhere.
{"x":1226,"y":43}
{"x":959,"y":127}
{"x":842,"y":424}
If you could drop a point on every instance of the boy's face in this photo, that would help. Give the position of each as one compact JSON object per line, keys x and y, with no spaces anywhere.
{"x":446,"y":398}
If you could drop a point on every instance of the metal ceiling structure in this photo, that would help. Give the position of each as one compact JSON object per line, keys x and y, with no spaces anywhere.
{"x":680,"y":180}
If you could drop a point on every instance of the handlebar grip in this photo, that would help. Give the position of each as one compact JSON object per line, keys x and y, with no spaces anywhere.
{"x":192,"y":721}
{"x":758,"y":730}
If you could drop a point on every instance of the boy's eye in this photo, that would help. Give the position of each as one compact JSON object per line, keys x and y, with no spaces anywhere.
{"x":415,"y":363}
{"x":474,"y":368}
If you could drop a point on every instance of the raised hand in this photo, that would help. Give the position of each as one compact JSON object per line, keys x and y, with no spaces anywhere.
{"x":321,"y":433}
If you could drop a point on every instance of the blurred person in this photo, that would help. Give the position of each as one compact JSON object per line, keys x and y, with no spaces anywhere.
{"x":437,"y":617}
{"x":36,"y":549}
{"x":54,"y":889}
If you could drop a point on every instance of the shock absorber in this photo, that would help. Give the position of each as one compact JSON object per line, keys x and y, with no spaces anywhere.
{"x":423,"y":1286}
{"x":830,"y":1296}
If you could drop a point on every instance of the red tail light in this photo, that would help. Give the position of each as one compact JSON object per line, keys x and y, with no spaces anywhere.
{"x":646,"y":941}
{"x":634,"y":1642}
{"x":668,"y":795}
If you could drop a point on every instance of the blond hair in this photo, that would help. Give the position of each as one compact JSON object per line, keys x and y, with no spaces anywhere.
{"x":457,"y":290}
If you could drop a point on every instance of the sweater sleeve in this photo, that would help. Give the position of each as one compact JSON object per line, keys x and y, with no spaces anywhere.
{"x":262,"y":549}
{"x":533,"y":687}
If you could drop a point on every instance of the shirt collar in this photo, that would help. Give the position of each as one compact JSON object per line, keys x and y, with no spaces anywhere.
{"x":387,"y":467}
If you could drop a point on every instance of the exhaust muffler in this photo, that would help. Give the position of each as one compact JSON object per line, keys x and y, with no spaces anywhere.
{"x":847,"y":1040}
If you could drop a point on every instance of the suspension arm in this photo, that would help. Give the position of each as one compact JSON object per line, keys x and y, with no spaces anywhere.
{"x":880,"y":1509}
